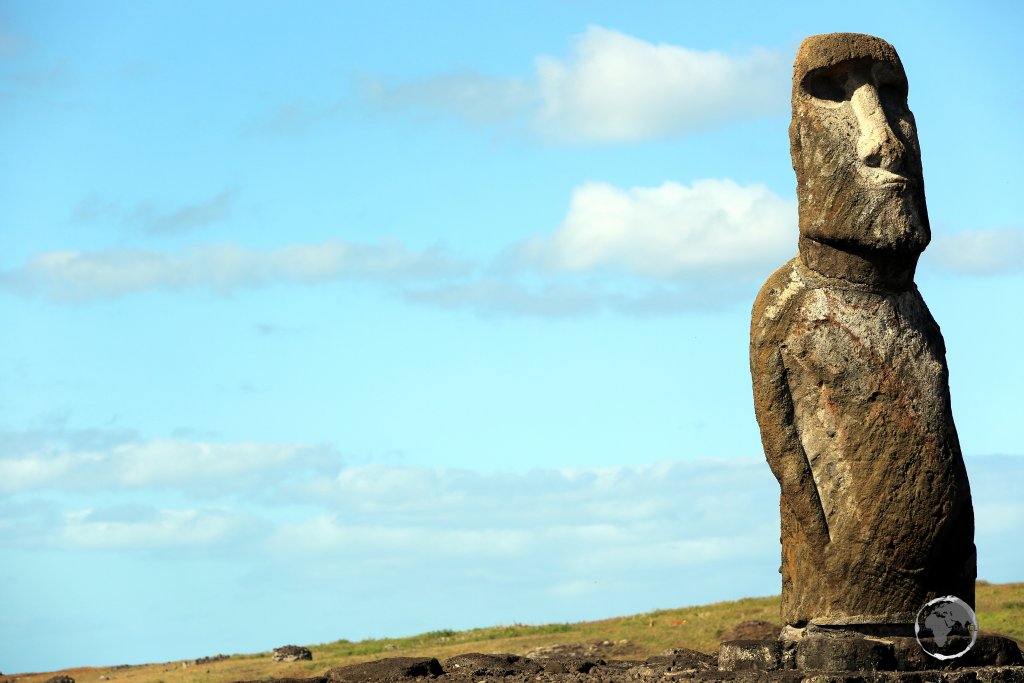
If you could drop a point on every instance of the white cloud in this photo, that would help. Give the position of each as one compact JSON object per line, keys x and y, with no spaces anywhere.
{"x":493,"y":296}
{"x":33,"y":472}
{"x":669,"y":231}
{"x":75,"y":275}
{"x":89,"y":529}
{"x":532,"y":546}
{"x":612,"y":88}
{"x":618,"y":88}
{"x":161,"y":464}
{"x":588,"y":504}
{"x":677,"y":247}
{"x":331,"y":536}
{"x":562,"y":529}
{"x":979,"y":252}
{"x":488,"y":297}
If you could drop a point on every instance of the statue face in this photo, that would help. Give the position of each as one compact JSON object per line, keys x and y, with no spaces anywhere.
{"x":855,"y":149}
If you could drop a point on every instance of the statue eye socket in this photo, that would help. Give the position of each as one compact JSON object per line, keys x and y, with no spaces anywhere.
{"x":893,"y":96}
{"x":825,"y":86}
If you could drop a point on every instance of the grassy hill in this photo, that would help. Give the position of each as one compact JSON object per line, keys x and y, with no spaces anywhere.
{"x":1000,"y":609}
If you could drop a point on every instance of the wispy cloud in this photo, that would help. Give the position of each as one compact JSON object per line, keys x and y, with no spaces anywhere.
{"x":566,"y":297}
{"x":149,"y":217}
{"x":474,"y":97}
{"x":541,"y":545}
{"x":486,"y":296}
{"x":602,"y":523}
{"x":121,"y":461}
{"x":979,"y":252}
{"x":639,"y":250}
{"x":295,"y":117}
{"x":200,"y":214}
{"x":80,"y":276}
{"x":141,"y":528}
{"x":612,"y":88}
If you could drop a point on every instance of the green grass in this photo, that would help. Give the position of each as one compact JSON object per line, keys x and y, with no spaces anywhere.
{"x":999,"y":608}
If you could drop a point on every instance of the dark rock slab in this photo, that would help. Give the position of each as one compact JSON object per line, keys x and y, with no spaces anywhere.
{"x":844,"y":654}
{"x":684,"y":659}
{"x":386,"y":670}
{"x":570,"y":664}
{"x":988,"y":650}
{"x":478,"y":664}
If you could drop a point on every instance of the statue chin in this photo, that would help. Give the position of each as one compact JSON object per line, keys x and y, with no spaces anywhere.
{"x":891,"y":219}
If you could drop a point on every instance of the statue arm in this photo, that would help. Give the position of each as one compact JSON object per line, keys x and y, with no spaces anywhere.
{"x":773,"y":404}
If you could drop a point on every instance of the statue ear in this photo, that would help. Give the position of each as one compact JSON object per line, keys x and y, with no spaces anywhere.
{"x":796,"y":130}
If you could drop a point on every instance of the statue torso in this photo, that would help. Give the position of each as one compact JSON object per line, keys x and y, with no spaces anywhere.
{"x":867,"y":377}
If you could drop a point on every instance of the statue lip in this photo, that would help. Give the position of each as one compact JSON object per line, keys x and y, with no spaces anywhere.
{"x":883,"y":178}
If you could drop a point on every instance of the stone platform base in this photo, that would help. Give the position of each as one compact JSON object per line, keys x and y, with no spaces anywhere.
{"x":899,"y":658}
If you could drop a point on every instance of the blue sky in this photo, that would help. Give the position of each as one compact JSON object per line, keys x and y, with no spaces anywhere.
{"x":326,"y":320}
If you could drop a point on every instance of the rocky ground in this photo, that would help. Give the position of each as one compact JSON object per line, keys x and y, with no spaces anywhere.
{"x":584,"y":664}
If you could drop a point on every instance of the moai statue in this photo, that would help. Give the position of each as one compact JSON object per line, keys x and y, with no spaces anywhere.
{"x":849,"y":369}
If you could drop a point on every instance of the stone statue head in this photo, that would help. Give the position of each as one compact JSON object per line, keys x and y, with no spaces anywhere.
{"x":857,"y":160}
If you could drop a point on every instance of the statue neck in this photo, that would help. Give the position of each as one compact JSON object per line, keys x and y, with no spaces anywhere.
{"x":875,"y":269}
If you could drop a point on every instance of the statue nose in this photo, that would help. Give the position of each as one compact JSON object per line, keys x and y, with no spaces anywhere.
{"x":877,"y":145}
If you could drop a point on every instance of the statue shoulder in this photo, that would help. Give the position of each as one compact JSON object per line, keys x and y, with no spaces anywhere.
{"x":777,"y":296}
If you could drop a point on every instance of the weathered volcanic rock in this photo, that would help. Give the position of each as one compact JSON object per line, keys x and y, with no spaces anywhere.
{"x":882,"y":655}
{"x":476,"y":664}
{"x":848,"y":366}
{"x":844,"y":654}
{"x":292,"y":653}
{"x":386,"y":670}
{"x":680,"y":659}
{"x":988,"y":650}
{"x":750,"y":655}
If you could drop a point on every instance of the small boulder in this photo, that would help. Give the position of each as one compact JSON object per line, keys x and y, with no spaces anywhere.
{"x":292,"y":653}
{"x":750,"y":655}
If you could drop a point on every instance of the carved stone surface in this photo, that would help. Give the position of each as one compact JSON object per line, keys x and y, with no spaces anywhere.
{"x":849,"y":371}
